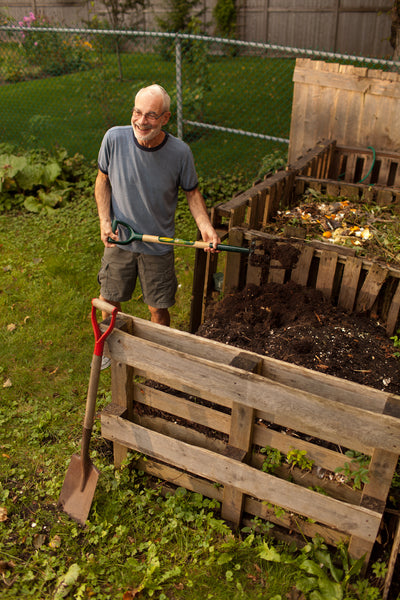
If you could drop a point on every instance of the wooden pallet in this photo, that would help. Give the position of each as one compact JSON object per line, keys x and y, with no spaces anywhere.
{"x":219,"y":406}
{"x":351,"y":282}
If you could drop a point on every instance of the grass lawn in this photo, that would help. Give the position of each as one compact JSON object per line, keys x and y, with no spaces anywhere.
{"x":75,"y":110}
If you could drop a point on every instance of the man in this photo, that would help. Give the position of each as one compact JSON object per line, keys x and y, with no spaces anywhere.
{"x":141,"y":168}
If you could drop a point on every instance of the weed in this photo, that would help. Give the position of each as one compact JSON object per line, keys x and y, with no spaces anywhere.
{"x":357,"y":470}
{"x":297,"y":458}
{"x":273,"y":459}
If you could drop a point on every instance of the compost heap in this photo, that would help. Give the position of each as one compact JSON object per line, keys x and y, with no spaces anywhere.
{"x":298,"y":325}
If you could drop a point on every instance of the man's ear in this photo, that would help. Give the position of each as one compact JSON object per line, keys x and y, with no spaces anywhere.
{"x":166,"y":117}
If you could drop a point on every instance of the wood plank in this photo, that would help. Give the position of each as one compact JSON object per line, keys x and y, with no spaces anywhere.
{"x":349,"y":283}
{"x":179,"y":478}
{"x":261,"y":510}
{"x":182,"y":408}
{"x":227,"y":471}
{"x":240,"y":436}
{"x":323,"y":457}
{"x":233,"y":262}
{"x":121,"y":389}
{"x":256,"y":210}
{"x":328,"y":386}
{"x":326,"y":273}
{"x":392,"y":561}
{"x":289,"y":407}
{"x":350,"y":168}
{"x":301,"y":271}
{"x":276,"y":274}
{"x":371,"y":288}
{"x":380,"y":472}
{"x":393,"y":314}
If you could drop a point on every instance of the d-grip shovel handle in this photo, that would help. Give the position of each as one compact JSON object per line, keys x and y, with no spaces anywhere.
{"x":156,"y":239}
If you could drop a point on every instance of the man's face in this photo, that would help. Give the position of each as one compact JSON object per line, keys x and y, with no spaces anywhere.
{"x":148,"y":118}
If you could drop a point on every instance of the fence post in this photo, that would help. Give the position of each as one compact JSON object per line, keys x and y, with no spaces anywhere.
{"x":178,"y":72}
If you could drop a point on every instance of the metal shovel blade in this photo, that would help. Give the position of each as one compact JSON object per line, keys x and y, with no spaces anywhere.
{"x":73,"y":500}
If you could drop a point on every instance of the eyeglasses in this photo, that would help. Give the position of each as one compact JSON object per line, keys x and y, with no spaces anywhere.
{"x":151,"y":116}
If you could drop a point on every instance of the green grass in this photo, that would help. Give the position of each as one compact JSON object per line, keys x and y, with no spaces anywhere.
{"x":75,"y":110}
{"x":135,"y":537}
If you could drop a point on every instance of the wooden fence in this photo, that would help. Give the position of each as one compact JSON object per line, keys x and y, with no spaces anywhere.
{"x":202,"y":411}
{"x":354,"y":28}
{"x":357,"y":107}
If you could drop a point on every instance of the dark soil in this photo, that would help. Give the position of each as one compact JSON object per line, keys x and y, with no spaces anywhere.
{"x":298,"y":325}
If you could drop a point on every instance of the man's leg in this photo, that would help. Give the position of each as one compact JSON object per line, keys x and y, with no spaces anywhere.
{"x":160,"y":316}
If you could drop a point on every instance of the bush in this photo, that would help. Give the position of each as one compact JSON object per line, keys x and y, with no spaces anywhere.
{"x":40,"y":182}
{"x":55,"y":53}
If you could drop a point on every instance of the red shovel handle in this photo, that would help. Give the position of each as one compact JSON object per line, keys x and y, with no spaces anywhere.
{"x":100,"y":339}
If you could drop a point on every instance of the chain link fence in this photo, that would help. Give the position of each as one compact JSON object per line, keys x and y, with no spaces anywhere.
{"x":231,"y":100}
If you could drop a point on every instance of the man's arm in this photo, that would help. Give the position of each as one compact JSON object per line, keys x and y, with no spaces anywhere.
{"x":102,"y":194}
{"x":198,"y":209}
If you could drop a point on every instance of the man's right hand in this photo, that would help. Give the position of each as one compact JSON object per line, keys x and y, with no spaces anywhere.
{"x":106,"y":233}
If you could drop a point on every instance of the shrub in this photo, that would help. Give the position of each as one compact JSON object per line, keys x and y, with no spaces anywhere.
{"x":53,"y":52}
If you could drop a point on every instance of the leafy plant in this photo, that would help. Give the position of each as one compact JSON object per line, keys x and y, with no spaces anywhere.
{"x":297,"y":458}
{"x":39,"y":181}
{"x":396,"y":343}
{"x":323,"y":575}
{"x":225,"y":15}
{"x":357,"y":470}
{"x":273,"y":459}
{"x":179,"y":15}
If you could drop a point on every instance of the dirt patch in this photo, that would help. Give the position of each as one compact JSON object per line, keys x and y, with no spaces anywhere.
{"x":298,"y":325}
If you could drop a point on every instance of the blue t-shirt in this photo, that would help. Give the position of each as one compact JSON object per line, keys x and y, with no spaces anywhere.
{"x":145,"y":182}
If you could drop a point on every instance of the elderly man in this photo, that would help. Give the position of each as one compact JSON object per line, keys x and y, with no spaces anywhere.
{"x":141,"y":168}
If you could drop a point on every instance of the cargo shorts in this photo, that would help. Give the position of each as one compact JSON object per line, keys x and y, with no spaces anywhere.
{"x":120,"y":269}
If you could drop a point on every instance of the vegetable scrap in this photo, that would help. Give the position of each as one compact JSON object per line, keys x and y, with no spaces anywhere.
{"x":373,"y":229}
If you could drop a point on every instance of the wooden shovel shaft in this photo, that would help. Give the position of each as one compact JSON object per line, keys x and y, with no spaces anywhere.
{"x":159,"y":239}
{"x":155,"y":239}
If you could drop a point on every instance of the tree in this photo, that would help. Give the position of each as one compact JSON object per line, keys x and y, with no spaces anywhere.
{"x":123,"y":13}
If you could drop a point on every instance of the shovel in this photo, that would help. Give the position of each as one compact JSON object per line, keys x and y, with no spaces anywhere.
{"x":155,"y":239}
{"x":81,"y":478}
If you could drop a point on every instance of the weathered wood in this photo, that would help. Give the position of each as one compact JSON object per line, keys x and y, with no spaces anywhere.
{"x":249,"y":481}
{"x":293,"y":523}
{"x":354,"y":107}
{"x":232,"y":264}
{"x":349,"y":284}
{"x":392,"y":561}
{"x":371,"y":288}
{"x":393,"y":314}
{"x":121,"y":389}
{"x":301,"y":271}
{"x":333,"y":388}
{"x":181,"y":408}
{"x":326,"y":273}
{"x":225,"y":385}
{"x":240,"y":436}
{"x":276,"y":274}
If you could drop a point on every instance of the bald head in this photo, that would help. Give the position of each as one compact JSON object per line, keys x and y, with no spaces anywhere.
{"x":156,"y":91}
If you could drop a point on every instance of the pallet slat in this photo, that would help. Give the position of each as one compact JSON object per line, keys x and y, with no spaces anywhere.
{"x":228,"y":471}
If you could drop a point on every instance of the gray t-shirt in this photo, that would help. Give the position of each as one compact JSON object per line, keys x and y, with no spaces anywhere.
{"x":145,"y":182}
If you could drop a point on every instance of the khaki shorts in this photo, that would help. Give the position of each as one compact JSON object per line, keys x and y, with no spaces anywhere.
{"x":120,"y":269}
